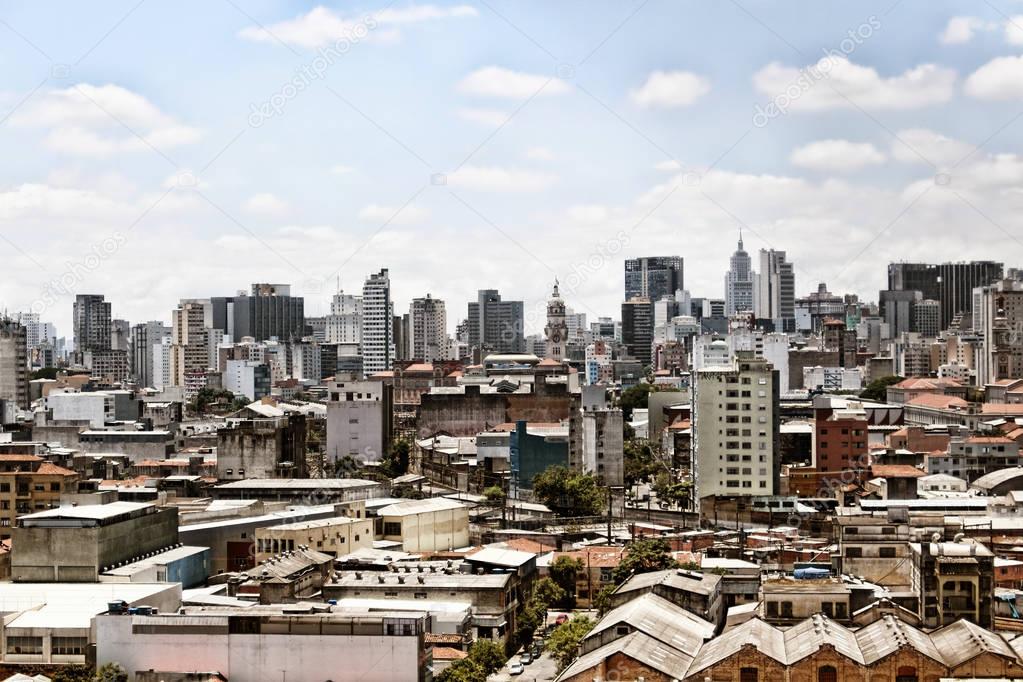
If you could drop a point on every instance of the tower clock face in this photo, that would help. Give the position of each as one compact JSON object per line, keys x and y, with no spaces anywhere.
{"x":556,"y":337}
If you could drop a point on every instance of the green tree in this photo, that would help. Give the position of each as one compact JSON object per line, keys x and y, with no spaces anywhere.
{"x":488,"y":654}
{"x":494,"y":496}
{"x":877,"y":389}
{"x":640,"y":462}
{"x":548,"y":593}
{"x":565,"y":572}
{"x":465,"y":670}
{"x":635,"y":397}
{"x":644,"y":556}
{"x":45,"y":373}
{"x":602,"y":602}
{"x":569,"y":493}
{"x":72,"y":673}
{"x":111,"y":672}
{"x":563,"y":643}
{"x":395,"y":462}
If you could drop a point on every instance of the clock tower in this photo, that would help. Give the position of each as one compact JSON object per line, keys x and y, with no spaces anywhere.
{"x":556,"y":329}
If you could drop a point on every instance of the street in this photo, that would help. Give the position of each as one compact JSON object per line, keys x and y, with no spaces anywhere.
{"x":542,"y":669}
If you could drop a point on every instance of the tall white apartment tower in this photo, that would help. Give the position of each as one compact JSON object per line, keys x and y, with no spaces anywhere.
{"x":377,"y":330}
{"x":344,"y":324}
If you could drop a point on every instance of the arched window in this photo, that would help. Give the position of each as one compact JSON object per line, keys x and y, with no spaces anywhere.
{"x":827,"y":673}
{"x":748,"y":675}
{"x":906,"y":673}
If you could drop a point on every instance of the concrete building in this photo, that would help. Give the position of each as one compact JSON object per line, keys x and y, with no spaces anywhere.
{"x":428,"y":330}
{"x":377,"y":330}
{"x":344,"y":324}
{"x":638,"y":329}
{"x":247,"y":378}
{"x":533,"y":448}
{"x":556,"y":330}
{"x":78,"y":543}
{"x":953,"y":581}
{"x":736,"y":434}
{"x":739,"y":282}
{"x":335,"y":536}
{"x":653,"y":277}
{"x":432,"y":525}
{"x":184,"y":564}
{"x":51,"y":625}
{"x":774,"y":291}
{"x":998,"y":317}
{"x":495,"y":325}
{"x":91,"y":318}
{"x":14,"y":363}
{"x":94,"y":408}
{"x":191,"y":337}
{"x":136,"y":445}
{"x":840,"y":441}
{"x":972,"y":457}
{"x":262,"y":448}
{"x":359,"y":420}
{"x":602,"y":441}
{"x":147,"y":338}
{"x":269,"y":311}
{"x":246,"y":645}
{"x":952,"y":284}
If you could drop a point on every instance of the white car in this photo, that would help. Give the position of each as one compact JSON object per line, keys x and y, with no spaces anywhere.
{"x":516,"y":669}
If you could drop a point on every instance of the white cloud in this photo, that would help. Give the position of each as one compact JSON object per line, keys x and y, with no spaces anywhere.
{"x":1014,"y":30}
{"x":342,"y":169}
{"x":960,"y":30}
{"x":999,"y":79}
{"x":670,"y":90}
{"x":588,"y":213}
{"x":837,"y":156}
{"x":91,"y":120}
{"x":837,"y":83}
{"x":393,"y":215}
{"x":539,"y":154}
{"x":322,"y":27}
{"x":668,"y":166}
{"x":919,"y":145}
{"x":497,"y":179}
{"x":487,"y":117}
{"x":265,"y":205}
{"x":497,"y":81}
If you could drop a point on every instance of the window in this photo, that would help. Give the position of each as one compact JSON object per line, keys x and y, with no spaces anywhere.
{"x":419,"y":595}
{"x":906,"y":673}
{"x":391,"y":528}
{"x":827,"y":673}
{"x":786,"y":609}
{"x":887,"y":553}
{"x":70,"y":646}
{"x":827,"y":608}
{"x":622,"y":630}
{"x":853,"y":552}
{"x":25,"y":645}
{"x":748,"y":675}
{"x":772,"y":609}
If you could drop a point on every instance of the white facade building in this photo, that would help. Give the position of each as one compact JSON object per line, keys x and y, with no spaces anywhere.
{"x":377,"y":320}
{"x":344,"y":324}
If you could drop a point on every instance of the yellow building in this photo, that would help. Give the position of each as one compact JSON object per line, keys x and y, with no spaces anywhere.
{"x":29,"y":484}
{"x":335,"y":536}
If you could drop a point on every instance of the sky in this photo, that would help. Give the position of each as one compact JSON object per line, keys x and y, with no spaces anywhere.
{"x":157,"y":151}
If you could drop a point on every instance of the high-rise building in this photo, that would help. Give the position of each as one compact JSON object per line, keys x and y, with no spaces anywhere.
{"x":927,"y":318}
{"x":998,"y":318}
{"x":91,"y":322}
{"x":344,"y":324}
{"x":377,"y":327}
{"x":556,"y":329}
{"x":190,"y":349}
{"x":144,"y":338}
{"x":738,"y":282}
{"x":951,"y":284}
{"x":652,"y":277}
{"x":638,"y":328}
{"x":736,"y":428}
{"x":428,"y":329}
{"x":120,"y":335}
{"x":774,"y":296}
{"x":13,"y":363}
{"x":495,"y":325}
{"x":268,"y":311}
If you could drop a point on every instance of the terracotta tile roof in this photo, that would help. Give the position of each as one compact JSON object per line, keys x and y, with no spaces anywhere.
{"x":527,"y":545}
{"x":446,"y":653}
{"x":990,"y":439}
{"x":941,"y":402}
{"x":51,"y":469}
{"x":19,"y":458}
{"x":896,"y":471}
{"x":420,"y":367}
{"x":1002,"y":408}
{"x":924,"y":383}
{"x":548,"y":362}
{"x":681,"y":425}
{"x":596,"y":557}
{"x":443,"y":638}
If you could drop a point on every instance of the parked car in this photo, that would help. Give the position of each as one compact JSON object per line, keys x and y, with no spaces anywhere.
{"x":516,"y":669}
{"x":526,"y":658}
{"x":561,"y":619}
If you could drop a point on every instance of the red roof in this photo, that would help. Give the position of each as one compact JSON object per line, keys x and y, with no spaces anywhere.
{"x":20,"y":458}
{"x":446,"y":653}
{"x":420,"y":367}
{"x":1002,"y":408}
{"x":51,"y":469}
{"x":896,"y":471}
{"x":941,"y":402}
